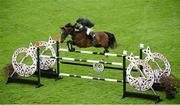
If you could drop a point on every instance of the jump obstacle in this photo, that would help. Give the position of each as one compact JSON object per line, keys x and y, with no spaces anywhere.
{"x":89,"y":77}
{"x":140,"y":66}
{"x":125,"y":93}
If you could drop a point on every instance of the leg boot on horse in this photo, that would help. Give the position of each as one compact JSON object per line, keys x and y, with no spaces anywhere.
{"x":70,"y":48}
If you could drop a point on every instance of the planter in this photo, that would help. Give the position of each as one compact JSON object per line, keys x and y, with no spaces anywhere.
{"x":171,"y":94}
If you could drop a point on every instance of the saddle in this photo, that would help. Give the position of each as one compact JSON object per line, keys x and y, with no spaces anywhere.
{"x":91,"y":35}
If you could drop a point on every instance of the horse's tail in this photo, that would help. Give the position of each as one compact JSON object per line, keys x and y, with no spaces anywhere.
{"x":112,"y":40}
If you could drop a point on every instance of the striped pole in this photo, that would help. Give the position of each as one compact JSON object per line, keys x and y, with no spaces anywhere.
{"x":92,"y":78}
{"x":90,"y":52}
{"x":83,"y":60}
{"x":95,"y":53}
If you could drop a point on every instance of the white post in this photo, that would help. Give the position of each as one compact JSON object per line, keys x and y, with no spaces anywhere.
{"x":124,"y":52}
{"x":141,"y":46}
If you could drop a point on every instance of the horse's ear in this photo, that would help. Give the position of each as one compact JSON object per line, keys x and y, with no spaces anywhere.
{"x":68,"y":25}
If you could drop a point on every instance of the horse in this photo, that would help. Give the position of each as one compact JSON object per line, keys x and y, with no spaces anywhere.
{"x":80,"y":39}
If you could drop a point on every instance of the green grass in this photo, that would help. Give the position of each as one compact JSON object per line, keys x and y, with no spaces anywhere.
{"x":153,"y":22}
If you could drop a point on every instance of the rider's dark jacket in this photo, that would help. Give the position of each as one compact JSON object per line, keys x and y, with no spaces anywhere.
{"x":85,"y":22}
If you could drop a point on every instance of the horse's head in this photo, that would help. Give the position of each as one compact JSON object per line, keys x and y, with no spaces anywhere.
{"x":65,"y":31}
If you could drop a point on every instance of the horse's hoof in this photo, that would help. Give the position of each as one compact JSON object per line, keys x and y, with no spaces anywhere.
{"x":72,"y":49}
{"x":106,"y":51}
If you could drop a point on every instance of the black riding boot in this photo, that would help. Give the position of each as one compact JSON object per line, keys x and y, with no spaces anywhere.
{"x":93,"y":36}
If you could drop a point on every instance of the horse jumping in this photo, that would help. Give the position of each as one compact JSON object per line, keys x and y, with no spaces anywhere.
{"x":80,"y":39}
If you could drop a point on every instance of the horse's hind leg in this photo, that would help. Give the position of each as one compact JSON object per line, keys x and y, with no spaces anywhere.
{"x":106,"y":50}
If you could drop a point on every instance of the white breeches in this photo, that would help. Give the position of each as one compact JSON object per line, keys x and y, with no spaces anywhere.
{"x":89,"y":30}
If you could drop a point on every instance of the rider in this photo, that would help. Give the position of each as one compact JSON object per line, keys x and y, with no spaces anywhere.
{"x":82,"y":23}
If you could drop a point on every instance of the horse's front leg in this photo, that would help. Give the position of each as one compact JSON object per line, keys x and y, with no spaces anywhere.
{"x":70,"y":47}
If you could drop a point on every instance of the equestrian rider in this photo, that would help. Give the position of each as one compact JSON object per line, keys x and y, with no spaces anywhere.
{"x":83,"y":23}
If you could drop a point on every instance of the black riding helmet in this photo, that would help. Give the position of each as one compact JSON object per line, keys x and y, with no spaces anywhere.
{"x":85,"y":22}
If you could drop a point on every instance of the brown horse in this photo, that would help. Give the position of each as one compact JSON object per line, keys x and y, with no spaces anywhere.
{"x":79,"y":38}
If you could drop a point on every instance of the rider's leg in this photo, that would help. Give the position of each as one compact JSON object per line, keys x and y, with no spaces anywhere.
{"x":89,"y":30}
{"x":91,"y":33}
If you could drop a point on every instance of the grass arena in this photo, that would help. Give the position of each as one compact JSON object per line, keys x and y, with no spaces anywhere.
{"x":153,"y":23}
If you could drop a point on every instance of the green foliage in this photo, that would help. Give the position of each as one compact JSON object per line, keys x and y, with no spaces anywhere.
{"x":153,"y":22}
